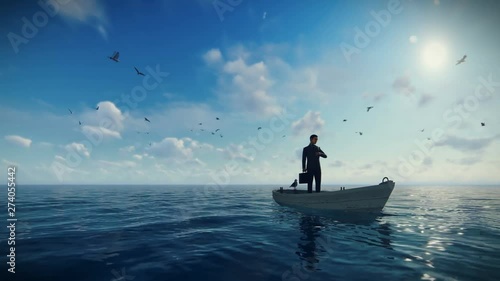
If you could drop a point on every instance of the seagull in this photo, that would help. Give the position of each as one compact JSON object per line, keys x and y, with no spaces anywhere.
{"x":138,"y":72}
{"x":294,"y":184}
{"x":221,"y":136}
{"x":217,"y":118}
{"x":428,"y":138}
{"x":97,"y":108}
{"x":461,"y":60}
{"x":115,"y":56}
{"x":283,"y":136}
{"x":80,"y":123}
{"x":202,"y":130}
{"x":213,"y":133}
{"x":259,"y":128}
{"x":482,"y":124}
{"x":70,"y":112}
{"x":368,"y":108}
{"x":360,"y":133}
{"x":146,"y":119}
{"x":422,"y":130}
{"x":217,"y":130}
{"x":200,"y":124}
{"x":344,"y":120}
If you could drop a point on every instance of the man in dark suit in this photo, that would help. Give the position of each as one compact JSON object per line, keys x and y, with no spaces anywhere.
{"x":312,"y":154}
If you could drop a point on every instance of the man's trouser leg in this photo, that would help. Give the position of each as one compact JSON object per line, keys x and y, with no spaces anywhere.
{"x":317,"y":179}
{"x":310,"y":183}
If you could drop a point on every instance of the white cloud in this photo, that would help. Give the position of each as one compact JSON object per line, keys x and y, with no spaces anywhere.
{"x":78,"y":147}
{"x":309,"y":124}
{"x":467,"y":144}
{"x":89,"y":12}
{"x":413,"y":39}
{"x":18,"y":140}
{"x":236,"y":152}
{"x":122,"y":164}
{"x":100,"y":131}
{"x":10,"y":163}
{"x":212,"y":56}
{"x":171,"y":148}
{"x":198,"y":145}
{"x":109,"y":112}
{"x":130,"y":148}
{"x":137,"y":156}
{"x":60,"y":158}
{"x":245,"y":87}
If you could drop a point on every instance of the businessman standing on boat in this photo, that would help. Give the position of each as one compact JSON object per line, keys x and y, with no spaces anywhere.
{"x":313,"y":168}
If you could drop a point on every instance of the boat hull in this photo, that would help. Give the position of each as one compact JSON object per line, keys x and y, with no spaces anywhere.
{"x":366,"y":199}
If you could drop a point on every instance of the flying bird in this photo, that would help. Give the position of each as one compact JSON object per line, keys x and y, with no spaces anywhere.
{"x":368,"y":108}
{"x":115,"y":56}
{"x":138,"y":72}
{"x":146,"y":119}
{"x":217,"y":130}
{"x":80,"y":123}
{"x":462,"y":60}
{"x":97,"y":108}
{"x":221,"y":136}
{"x":344,"y":120}
{"x":422,"y":130}
{"x":360,"y":133}
{"x":70,"y":112}
{"x":482,"y":124}
{"x":217,"y":118}
{"x":294,"y":184}
{"x":428,"y":138}
{"x":213,"y":133}
{"x":259,"y":128}
{"x":283,"y":136}
{"x":200,"y":124}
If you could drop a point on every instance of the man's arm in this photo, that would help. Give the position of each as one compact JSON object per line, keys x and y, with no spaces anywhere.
{"x":304,"y":159}
{"x":322,"y":153}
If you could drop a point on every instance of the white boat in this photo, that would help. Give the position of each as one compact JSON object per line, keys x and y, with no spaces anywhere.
{"x":367,"y":198}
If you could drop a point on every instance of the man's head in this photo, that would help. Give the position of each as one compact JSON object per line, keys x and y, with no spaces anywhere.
{"x":313,"y":139}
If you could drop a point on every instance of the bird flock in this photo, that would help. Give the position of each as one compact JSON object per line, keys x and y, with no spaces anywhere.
{"x":460,"y":61}
{"x":116,"y":55}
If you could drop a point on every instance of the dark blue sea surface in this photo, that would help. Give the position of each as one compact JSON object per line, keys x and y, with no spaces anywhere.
{"x":232,"y":233}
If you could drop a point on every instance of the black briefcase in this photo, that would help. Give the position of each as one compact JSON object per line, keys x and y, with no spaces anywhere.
{"x":304,"y":177}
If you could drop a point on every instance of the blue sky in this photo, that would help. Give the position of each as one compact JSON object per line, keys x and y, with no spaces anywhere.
{"x":283,"y":66}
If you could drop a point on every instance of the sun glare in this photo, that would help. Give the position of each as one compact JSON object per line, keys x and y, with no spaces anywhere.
{"x":434,"y":55}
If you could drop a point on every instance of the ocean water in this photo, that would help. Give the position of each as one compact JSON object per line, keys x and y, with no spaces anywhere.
{"x":239,"y":233}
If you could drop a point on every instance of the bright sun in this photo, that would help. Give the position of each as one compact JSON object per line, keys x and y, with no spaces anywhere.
{"x":434,"y":55}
